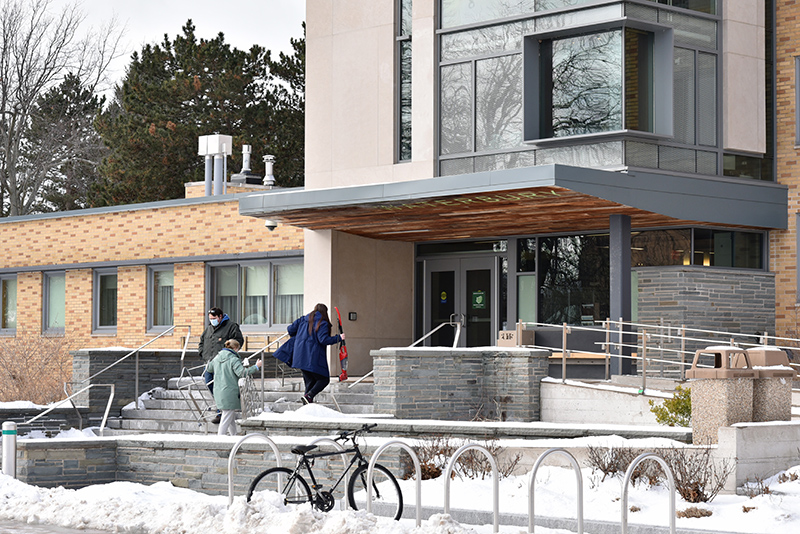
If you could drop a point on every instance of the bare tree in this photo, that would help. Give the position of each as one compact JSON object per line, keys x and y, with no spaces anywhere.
{"x":38,"y":49}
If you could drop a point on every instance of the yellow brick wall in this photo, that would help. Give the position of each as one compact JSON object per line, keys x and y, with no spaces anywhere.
{"x":106,"y":239}
{"x":783,"y":247}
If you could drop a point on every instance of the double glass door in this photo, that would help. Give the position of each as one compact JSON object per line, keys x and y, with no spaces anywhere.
{"x":461,"y":290}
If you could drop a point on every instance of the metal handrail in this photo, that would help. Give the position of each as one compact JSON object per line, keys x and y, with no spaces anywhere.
{"x":90,"y":386}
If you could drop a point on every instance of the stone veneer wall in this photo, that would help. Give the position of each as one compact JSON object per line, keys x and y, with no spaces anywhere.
{"x":155,"y":368}
{"x":729,"y":300}
{"x":459,"y":384}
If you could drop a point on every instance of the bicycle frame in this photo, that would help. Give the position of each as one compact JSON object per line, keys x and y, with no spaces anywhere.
{"x":303,"y":462}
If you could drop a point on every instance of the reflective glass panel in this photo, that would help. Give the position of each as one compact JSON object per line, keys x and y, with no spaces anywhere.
{"x":724,"y":248}
{"x":405,"y":101}
{"x":9,"y":289}
{"x":586,"y":83}
{"x":461,"y":12}
{"x":108,"y":300}
{"x":226,"y":290}
{"x":456,"y":109}
{"x":498,"y":103}
{"x":288,"y":293}
{"x":255,"y":288}
{"x":56,"y":301}
{"x":574,"y":279}
{"x":661,"y":247}
{"x":483,"y":41}
{"x":163,"y":286}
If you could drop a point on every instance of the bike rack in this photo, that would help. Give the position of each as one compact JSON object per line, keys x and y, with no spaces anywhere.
{"x":575,"y":467}
{"x":235,"y":449}
{"x":495,"y":483}
{"x":417,"y":469}
{"x":670,"y":479}
{"x":338,"y":447}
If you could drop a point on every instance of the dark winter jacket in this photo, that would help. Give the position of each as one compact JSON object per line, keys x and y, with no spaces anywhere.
{"x":309,"y":349}
{"x":214,"y":337}
{"x":227,"y":369}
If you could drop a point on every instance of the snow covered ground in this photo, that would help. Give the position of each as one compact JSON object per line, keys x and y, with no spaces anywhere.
{"x":164,"y":509}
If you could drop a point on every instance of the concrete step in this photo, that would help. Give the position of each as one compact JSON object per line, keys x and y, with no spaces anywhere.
{"x":142,"y":426}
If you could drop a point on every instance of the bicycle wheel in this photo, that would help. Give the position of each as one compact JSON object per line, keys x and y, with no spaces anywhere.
{"x":281,"y":480}
{"x":386,"y":496}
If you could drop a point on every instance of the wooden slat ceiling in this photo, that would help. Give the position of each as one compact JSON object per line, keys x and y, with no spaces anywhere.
{"x":526,"y":211}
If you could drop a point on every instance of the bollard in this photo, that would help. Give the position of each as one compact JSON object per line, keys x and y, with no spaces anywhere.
{"x":10,"y":448}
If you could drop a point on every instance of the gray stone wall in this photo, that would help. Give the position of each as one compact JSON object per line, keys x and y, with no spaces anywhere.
{"x":459,"y":384}
{"x":726,"y":300}
{"x":155,"y":368}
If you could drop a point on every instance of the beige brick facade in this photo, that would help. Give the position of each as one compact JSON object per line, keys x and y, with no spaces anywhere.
{"x":176,"y":232}
{"x":783,"y":244}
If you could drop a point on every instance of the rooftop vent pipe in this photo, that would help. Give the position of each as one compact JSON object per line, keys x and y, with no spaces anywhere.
{"x":269,"y":179}
{"x":216,"y":148}
{"x":246,"y":176}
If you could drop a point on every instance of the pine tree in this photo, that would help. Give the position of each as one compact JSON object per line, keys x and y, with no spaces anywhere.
{"x":178,"y":90}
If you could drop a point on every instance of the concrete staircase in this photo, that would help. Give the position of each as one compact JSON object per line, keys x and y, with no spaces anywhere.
{"x":170,"y":410}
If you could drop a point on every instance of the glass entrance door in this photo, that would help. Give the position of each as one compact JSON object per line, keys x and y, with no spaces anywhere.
{"x":462,"y":290}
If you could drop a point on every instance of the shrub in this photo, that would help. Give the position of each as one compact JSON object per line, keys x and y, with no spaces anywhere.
{"x":697,"y":477}
{"x":434,"y":454}
{"x":34,"y":368}
{"x":676,"y":411}
{"x":694,"y":511}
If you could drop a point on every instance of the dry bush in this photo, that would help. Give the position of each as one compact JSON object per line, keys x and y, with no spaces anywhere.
{"x":697,"y":477}
{"x":746,"y":509}
{"x":34,"y":368}
{"x":434,"y":454}
{"x":614,"y":461}
{"x":694,"y":511}
{"x":756,"y":488}
{"x":784,"y":477}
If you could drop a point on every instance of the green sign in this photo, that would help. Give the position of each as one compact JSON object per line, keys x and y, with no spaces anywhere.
{"x":478,"y":300}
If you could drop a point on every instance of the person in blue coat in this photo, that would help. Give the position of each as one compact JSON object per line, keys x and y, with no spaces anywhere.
{"x":312,"y":333}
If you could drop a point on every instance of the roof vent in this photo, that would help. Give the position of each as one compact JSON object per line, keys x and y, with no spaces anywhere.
{"x":246,"y":176}
{"x":269,"y":179}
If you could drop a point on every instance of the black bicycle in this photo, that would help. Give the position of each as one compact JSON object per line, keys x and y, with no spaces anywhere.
{"x":386,"y":496}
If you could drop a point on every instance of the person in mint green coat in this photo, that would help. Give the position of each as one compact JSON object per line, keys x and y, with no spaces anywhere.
{"x":227,"y":369}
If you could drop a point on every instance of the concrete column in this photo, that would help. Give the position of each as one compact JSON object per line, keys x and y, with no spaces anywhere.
{"x":620,"y":285}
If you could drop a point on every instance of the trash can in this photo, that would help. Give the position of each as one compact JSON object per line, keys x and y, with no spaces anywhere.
{"x":722,"y":394}
{"x":772,"y":390}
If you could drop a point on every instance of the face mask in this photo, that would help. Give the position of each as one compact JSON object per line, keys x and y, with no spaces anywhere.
{"x":214,"y":322}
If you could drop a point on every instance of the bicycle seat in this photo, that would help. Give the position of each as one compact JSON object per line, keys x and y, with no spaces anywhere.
{"x":302,"y":449}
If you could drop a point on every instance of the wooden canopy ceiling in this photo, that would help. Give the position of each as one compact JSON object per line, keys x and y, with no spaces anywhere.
{"x":535,"y":210}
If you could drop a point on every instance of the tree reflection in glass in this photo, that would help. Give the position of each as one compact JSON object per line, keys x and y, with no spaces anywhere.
{"x":498,"y":103}
{"x":456,"y":109}
{"x":585,"y":84}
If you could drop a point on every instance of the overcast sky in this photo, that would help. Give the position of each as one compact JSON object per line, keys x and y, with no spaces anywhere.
{"x":269,"y":23}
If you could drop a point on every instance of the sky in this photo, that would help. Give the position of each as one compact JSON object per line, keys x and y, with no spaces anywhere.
{"x":269,"y":23}
{"x":161,"y":508}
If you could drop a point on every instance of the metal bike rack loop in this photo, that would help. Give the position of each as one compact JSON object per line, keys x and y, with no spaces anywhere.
{"x":417,"y":470}
{"x":532,"y":484}
{"x":671,"y":482}
{"x":495,"y":482}
{"x":338,"y":447}
{"x":235,"y":449}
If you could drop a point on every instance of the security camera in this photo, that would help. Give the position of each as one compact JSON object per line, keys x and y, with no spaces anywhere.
{"x":270,"y":224}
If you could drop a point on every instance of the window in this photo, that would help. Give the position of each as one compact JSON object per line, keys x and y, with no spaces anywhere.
{"x":726,"y":248}
{"x":601,"y":80}
{"x":160,"y":285}
{"x":8,"y":298}
{"x":54,"y":302}
{"x":403,"y":41}
{"x":105,"y":300}
{"x":243,"y":291}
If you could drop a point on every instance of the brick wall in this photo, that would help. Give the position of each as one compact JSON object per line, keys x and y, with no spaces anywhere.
{"x":458,"y":384}
{"x":144,"y":232}
{"x":783,"y":242}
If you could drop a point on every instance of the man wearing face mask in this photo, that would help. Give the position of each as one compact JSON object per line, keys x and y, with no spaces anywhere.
{"x":221,"y":329}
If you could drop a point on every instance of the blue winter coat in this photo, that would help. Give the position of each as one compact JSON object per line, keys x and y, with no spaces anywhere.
{"x":309,"y":349}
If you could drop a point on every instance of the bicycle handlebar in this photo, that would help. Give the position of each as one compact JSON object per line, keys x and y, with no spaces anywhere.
{"x":363,"y":430}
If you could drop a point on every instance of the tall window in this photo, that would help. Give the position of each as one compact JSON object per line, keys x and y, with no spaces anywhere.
{"x":245,"y":292}
{"x":8,"y":301}
{"x":403,"y":41}
{"x":161,"y":285}
{"x":288,"y":283}
{"x":105,"y":300}
{"x":597,"y":82}
{"x":54,"y":302}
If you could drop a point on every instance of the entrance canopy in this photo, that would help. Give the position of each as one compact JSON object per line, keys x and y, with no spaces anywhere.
{"x":533,"y":200}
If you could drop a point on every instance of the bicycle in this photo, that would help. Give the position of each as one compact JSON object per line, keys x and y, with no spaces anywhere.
{"x":386,"y":492}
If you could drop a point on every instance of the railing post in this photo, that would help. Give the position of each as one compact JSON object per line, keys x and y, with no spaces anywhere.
{"x":566,"y":330}
{"x":607,"y":326}
{"x":683,"y":352}
{"x":644,"y":361}
{"x":136,"y":387}
{"x":10,"y":449}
